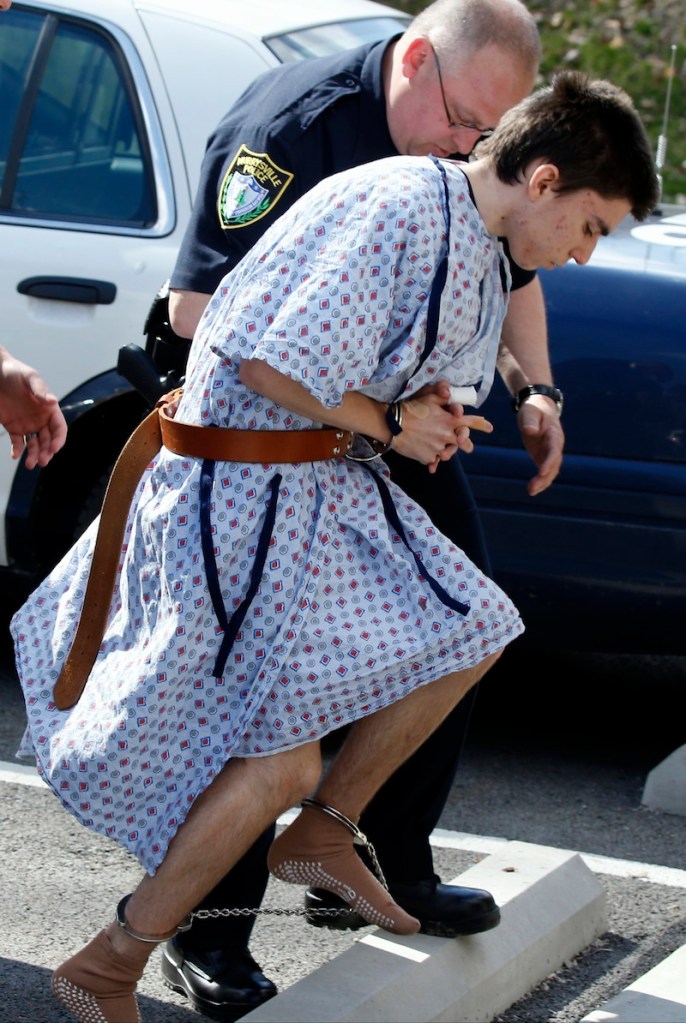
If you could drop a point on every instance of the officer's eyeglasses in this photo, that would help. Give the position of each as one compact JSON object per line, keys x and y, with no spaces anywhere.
{"x":452,"y":123}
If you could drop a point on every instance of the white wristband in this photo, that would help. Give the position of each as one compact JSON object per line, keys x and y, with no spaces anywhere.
{"x":462,"y":395}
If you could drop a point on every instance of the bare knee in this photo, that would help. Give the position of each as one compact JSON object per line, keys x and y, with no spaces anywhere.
{"x":293,"y":774}
{"x":307,"y":773}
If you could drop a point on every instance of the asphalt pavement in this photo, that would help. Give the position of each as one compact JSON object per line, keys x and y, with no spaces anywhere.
{"x":558,"y":754}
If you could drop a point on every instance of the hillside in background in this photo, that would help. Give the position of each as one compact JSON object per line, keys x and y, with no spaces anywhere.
{"x":630,"y":43}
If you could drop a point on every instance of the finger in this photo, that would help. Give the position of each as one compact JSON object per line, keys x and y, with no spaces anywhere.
{"x":477,"y":423}
{"x":17,"y":444}
{"x":463,"y":439}
{"x":541,"y":482}
{"x":34,"y":447}
{"x":39,"y":392}
{"x":447,"y":452}
{"x":58,"y":431}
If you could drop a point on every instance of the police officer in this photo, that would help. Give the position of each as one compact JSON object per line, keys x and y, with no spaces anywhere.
{"x":437,"y":88}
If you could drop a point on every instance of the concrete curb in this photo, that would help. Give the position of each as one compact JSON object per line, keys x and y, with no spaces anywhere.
{"x":552,"y":907}
{"x":665,"y":787}
{"x":658,"y":996}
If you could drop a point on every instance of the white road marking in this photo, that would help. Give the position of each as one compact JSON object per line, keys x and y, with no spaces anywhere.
{"x":671,"y":877}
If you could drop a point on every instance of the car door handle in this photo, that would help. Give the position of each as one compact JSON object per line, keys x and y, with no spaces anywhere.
{"x":69,"y":289}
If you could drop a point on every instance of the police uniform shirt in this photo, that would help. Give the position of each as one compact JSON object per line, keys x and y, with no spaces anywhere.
{"x":293,"y":126}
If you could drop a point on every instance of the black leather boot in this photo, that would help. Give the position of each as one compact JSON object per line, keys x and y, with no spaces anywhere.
{"x":444,"y":910}
{"x":223,"y":984}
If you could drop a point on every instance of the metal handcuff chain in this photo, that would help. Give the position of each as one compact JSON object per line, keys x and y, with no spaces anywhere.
{"x":359,"y":838}
{"x":207,"y":914}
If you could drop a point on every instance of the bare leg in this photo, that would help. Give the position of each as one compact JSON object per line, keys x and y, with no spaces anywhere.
{"x":99,"y":982}
{"x":379,"y":744}
{"x":317,"y":849}
{"x":222,"y":824}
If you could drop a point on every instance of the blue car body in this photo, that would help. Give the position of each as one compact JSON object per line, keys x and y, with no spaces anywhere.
{"x":598,"y":561}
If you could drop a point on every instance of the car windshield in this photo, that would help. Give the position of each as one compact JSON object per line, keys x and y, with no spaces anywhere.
{"x":332,"y":38}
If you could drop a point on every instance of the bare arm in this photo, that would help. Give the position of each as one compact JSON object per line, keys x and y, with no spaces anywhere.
{"x":431,"y":432}
{"x":523,"y":359}
{"x":525,"y":336}
{"x":185,"y":310}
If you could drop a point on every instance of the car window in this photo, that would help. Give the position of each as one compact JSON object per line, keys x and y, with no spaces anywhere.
{"x":199,"y":109}
{"x":322,"y":40}
{"x":17,"y":43}
{"x":74,"y":148}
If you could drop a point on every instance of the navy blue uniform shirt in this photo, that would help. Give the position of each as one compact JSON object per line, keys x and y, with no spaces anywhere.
{"x":293,"y":126}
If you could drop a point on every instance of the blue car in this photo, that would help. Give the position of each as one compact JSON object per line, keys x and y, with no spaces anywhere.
{"x":598,"y":561}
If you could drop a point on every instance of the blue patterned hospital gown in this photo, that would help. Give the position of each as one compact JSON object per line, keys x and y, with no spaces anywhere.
{"x":341,"y":622}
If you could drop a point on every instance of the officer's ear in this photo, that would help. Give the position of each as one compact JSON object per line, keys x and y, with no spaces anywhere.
{"x":414,"y":55}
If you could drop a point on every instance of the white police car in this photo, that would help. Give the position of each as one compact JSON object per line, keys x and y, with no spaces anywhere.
{"x":106,"y":110}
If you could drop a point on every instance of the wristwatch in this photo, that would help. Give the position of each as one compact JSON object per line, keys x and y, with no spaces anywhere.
{"x":546,"y":389}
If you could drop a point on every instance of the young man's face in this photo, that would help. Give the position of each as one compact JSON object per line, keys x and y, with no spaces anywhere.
{"x":442,"y":106}
{"x":549,"y":229}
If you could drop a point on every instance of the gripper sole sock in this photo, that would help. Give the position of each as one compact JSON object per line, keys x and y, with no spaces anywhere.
{"x":317,"y":850}
{"x":98,"y":984}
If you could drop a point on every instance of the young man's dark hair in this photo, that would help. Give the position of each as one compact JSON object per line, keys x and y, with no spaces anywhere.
{"x":592,"y":133}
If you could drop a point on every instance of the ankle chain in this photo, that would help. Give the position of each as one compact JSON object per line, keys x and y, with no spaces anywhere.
{"x":359,"y":838}
{"x":215,"y":914}
{"x":185,"y":925}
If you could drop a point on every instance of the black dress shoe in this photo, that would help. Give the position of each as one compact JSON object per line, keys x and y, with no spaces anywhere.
{"x":223,"y":984}
{"x":444,"y":910}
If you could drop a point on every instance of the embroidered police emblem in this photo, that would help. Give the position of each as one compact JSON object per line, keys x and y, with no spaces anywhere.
{"x":252,"y":186}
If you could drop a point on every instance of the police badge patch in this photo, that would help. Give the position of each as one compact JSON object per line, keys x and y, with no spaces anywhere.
{"x":252,"y":186}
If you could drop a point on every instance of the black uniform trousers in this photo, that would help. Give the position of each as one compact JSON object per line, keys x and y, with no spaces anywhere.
{"x":407,"y":808}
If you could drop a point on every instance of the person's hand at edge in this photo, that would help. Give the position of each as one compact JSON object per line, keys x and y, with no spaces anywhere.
{"x":30,"y":414}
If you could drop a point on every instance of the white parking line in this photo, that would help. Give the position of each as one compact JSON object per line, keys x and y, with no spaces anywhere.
{"x":654,"y":873}
{"x":20,"y":774}
{"x":671,"y":877}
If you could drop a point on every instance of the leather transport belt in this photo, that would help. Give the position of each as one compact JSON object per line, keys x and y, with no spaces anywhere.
{"x":157,"y":429}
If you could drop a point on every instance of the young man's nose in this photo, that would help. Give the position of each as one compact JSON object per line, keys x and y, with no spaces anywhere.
{"x":582,"y":253}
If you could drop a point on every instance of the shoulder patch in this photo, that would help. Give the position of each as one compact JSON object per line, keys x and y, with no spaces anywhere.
{"x":252,"y":186}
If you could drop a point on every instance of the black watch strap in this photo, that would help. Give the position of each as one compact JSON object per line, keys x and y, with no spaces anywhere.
{"x":546,"y":389}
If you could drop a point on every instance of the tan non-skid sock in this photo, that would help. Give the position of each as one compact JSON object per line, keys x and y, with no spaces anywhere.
{"x":98,"y":984}
{"x":316,"y":849}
